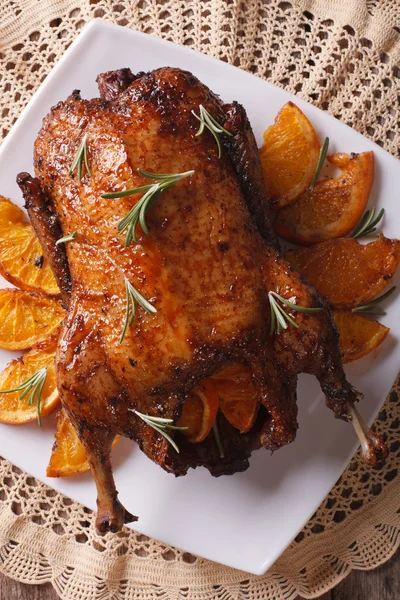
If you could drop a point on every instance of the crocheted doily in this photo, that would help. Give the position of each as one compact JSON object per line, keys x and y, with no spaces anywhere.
{"x":338,"y":55}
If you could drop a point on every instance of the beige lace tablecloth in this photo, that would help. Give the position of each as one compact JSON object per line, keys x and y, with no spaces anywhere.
{"x":342,"y":56}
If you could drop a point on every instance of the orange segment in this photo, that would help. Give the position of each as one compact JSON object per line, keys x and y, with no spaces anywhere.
{"x":358,"y":335}
{"x":15,"y":410}
{"x":199,"y":411}
{"x":334,"y":207}
{"x":289,"y":155}
{"x":346,"y":272}
{"x":68,"y":456}
{"x":27,"y":318}
{"x":21,"y":257}
{"x":237,"y":396}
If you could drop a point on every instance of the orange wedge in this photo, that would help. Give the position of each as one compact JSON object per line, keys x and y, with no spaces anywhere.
{"x":16,"y":410}
{"x":237,"y":396}
{"x":21,"y":257}
{"x":345,"y":272}
{"x":358,"y":335}
{"x":289,"y":156}
{"x":333,"y":207}
{"x":27,"y":318}
{"x":68,"y":456}
{"x":199,"y":411}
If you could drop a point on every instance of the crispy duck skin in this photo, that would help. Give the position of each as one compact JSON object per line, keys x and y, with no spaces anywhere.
{"x":207,"y":265}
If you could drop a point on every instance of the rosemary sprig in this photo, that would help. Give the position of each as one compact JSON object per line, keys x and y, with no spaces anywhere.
{"x":34,"y":385}
{"x":279,"y":318}
{"x":218,"y":440}
{"x":321,"y":159}
{"x":367,"y":225}
{"x":133,"y":296}
{"x":67,"y":238}
{"x":215,"y":128}
{"x":80,"y":158}
{"x":371,"y":308}
{"x":152,"y":191}
{"x":161,"y":425}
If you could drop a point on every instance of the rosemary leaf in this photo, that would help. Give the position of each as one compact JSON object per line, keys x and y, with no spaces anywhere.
{"x":133,"y":296}
{"x":137,"y":214}
{"x":368,"y":225}
{"x":80,"y":158}
{"x":321,"y":159}
{"x":67,"y":238}
{"x":372,"y":307}
{"x":304,"y":309}
{"x":161,"y":425}
{"x":218,"y":440}
{"x":216,"y":129}
{"x":142,"y":188}
{"x":279,"y":318}
{"x":34,"y":387}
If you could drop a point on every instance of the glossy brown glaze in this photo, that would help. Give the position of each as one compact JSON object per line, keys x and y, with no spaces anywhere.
{"x":207,"y":266}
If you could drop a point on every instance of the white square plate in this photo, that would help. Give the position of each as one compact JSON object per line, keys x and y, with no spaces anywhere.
{"x":247,"y":520}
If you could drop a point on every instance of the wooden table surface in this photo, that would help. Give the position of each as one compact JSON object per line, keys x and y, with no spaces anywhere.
{"x":381,"y":584}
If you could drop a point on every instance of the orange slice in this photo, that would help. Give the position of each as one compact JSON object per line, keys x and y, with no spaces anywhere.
{"x":358,"y":335}
{"x":68,"y":456}
{"x":346,"y":272}
{"x":21,"y":257}
{"x":334,"y":207}
{"x":16,"y":410}
{"x":199,"y":411}
{"x":27,"y":318}
{"x":237,"y":396}
{"x":289,"y":155}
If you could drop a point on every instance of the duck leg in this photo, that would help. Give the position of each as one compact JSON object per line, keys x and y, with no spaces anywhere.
{"x":111,"y":515}
{"x":313,"y":347}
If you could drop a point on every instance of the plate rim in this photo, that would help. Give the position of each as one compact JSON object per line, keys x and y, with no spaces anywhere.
{"x":83,"y":37}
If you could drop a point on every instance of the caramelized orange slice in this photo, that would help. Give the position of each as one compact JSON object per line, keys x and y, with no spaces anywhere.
{"x":358,"y":335}
{"x":16,"y":410}
{"x":333,"y":207}
{"x":345,"y":272}
{"x":21,"y":258}
{"x":68,"y":456}
{"x":27,"y":318}
{"x":199,"y":411}
{"x":289,"y":156}
{"x":237,"y":396}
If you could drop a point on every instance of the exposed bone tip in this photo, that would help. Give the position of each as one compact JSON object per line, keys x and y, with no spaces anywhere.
{"x":373,"y":449}
{"x":23,"y":178}
{"x":112,"y":518}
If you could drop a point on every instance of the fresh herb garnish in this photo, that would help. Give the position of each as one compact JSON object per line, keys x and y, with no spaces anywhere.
{"x":67,"y":238}
{"x":34,"y":385}
{"x":152,"y":191}
{"x":208,"y":122}
{"x":279,"y":318}
{"x":133,"y":296}
{"x":218,"y":440}
{"x":161,"y":425}
{"x":367,"y":225}
{"x":371,"y":308}
{"x":321,"y":159}
{"x":80,"y":158}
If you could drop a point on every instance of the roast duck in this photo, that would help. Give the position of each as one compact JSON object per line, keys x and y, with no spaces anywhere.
{"x":196,"y":264}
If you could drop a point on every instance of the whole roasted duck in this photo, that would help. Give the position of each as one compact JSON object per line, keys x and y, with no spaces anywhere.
{"x":176,"y":227}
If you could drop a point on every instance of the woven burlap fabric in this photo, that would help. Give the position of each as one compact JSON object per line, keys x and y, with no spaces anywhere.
{"x":341,"y":55}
